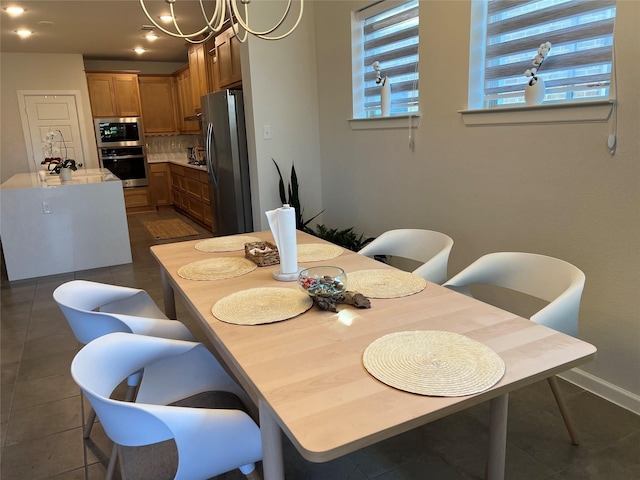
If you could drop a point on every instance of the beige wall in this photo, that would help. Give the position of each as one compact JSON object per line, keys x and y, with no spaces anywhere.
{"x":550,"y":189}
{"x":42,"y":72}
{"x":280,"y":85}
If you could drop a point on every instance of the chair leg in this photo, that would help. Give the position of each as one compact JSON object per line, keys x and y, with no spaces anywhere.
{"x":113,"y":460}
{"x":564,"y":411}
{"x":131,"y":393}
{"x":89,"y":425}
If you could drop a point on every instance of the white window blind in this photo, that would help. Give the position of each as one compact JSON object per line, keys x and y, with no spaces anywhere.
{"x":391,"y":38}
{"x":578,"y":66}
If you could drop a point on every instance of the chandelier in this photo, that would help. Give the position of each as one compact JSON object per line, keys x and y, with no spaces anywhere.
{"x":237,"y":10}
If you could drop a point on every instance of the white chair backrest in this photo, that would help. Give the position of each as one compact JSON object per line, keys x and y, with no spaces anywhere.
{"x":556,"y":281}
{"x":80,"y":301}
{"x":431,"y":248}
{"x":174,"y":369}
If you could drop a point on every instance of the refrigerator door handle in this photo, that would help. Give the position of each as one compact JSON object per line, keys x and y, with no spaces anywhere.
{"x":208,"y":150}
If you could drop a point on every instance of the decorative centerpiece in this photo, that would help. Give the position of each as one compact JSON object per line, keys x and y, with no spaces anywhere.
{"x":262,"y":254}
{"x":534,"y":91}
{"x":328,"y":287}
{"x":385,"y":90}
{"x":56,"y":163}
{"x":323,"y":281}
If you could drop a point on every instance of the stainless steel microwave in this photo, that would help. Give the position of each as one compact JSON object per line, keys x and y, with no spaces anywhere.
{"x":119,"y":132}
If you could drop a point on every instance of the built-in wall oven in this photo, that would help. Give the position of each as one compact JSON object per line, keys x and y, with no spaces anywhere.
{"x":121,"y":149}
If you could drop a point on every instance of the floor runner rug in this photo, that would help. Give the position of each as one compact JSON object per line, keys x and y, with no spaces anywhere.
{"x":169,"y":228}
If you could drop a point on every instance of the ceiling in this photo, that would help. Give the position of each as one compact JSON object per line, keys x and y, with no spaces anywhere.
{"x":97,"y":29}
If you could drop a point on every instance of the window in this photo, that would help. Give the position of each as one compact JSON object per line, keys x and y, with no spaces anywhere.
{"x":386,"y":32}
{"x":506,"y":35}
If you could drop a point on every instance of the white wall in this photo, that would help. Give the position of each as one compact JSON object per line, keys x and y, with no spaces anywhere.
{"x":550,"y":189}
{"x":44,"y":72}
{"x":280,"y":86}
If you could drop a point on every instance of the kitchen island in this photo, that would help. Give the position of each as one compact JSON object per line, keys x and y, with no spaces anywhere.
{"x":52,"y":227}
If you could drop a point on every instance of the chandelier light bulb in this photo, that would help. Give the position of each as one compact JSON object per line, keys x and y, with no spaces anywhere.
{"x":237,"y":10}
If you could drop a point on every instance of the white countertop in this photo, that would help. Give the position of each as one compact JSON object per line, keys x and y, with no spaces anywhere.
{"x":79,"y":177}
{"x":175,"y":158}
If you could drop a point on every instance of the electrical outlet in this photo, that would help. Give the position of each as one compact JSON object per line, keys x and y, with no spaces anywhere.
{"x":46,"y":207}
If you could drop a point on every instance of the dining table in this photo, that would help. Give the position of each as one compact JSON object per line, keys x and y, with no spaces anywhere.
{"x":307,"y":376}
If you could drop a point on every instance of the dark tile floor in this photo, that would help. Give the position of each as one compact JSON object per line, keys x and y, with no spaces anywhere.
{"x":41,"y":413}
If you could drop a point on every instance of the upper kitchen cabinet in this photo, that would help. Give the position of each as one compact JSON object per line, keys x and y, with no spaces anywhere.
{"x":185,"y":105}
{"x":198,"y":72}
{"x":228,"y":60}
{"x":211,"y":62}
{"x":157,"y":96}
{"x":114,"y":94}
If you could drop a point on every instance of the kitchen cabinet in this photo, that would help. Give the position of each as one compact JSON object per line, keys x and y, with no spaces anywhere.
{"x":114,"y":94}
{"x":185,"y":104}
{"x":228,"y":60}
{"x":159,"y":187}
{"x":190,"y":193}
{"x":211,"y":63}
{"x":136,"y":199}
{"x":157,"y":97}
{"x":198,"y":73}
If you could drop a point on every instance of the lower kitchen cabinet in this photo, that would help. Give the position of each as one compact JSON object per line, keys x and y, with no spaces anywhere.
{"x":136,"y":199}
{"x":190,"y":193}
{"x":159,"y":186}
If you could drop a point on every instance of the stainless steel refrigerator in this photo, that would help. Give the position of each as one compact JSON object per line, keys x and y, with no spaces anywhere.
{"x":227,"y":161}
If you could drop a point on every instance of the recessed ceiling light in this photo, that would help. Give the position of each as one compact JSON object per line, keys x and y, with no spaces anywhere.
{"x":14,"y":11}
{"x":166,"y":18}
{"x":139,"y":50}
{"x":151,"y":36}
{"x":24,"y":33}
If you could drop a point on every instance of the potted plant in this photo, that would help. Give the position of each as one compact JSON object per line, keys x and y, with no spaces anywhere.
{"x":346,"y":238}
{"x":57,"y":164}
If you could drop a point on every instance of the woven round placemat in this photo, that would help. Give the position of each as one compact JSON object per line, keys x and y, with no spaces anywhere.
{"x":385,"y":283}
{"x":257,"y":306}
{"x":216,"y":268}
{"x":225,"y":244}
{"x":433,"y":362}
{"x":317,"y":252}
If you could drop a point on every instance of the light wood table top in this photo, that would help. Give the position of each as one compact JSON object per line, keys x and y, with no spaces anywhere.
{"x":308,"y":370}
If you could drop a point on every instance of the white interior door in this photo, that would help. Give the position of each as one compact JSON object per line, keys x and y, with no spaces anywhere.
{"x":46,"y":112}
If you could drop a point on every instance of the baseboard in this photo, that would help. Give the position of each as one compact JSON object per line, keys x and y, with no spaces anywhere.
{"x":603,"y":389}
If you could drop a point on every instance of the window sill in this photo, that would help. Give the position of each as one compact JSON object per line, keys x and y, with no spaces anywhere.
{"x":385,"y":123}
{"x":577,"y":112}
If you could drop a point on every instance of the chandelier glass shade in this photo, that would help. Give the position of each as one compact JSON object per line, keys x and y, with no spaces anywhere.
{"x":223,"y":10}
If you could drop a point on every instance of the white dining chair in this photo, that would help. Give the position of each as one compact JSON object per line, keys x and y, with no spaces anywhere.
{"x":430,"y":248}
{"x":95,"y":309}
{"x":203,"y":442}
{"x":547,"y":278}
